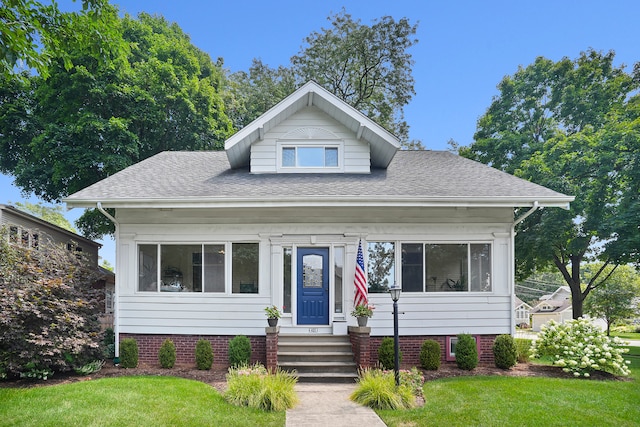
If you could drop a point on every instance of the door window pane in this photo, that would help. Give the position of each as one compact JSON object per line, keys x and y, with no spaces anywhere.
{"x":312,"y":273}
{"x":412,"y":267}
{"x":446,"y":267}
{"x":148,"y":268}
{"x":244,"y":268}
{"x":481,"y":267}
{"x":381,"y":271}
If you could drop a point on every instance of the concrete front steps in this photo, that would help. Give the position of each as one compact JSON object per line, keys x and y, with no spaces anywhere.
{"x":318,"y":358}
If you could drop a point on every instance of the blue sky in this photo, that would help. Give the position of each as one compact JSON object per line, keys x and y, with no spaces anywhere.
{"x":465,"y":47}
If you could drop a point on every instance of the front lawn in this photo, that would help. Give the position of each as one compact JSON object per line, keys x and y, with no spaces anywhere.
{"x":127,"y":401}
{"x":523,"y":401}
{"x":627,"y":335}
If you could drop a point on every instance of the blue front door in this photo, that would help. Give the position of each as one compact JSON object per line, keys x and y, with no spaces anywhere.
{"x":313,"y":286}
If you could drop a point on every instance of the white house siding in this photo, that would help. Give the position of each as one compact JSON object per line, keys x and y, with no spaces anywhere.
{"x":230,"y":314}
{"x":355,"y":153}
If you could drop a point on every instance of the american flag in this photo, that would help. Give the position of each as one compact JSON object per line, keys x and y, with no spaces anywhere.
{"x":360,"y":280}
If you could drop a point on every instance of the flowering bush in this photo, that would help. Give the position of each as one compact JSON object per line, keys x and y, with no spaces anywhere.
{"x":580,"y":347}
{"x":363,"y":310}
{"x":272,"y":312}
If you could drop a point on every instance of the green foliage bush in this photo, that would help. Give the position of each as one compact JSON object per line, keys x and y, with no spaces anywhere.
{"x":90,"y":367}
{"x":430,"y":355}
{"x":239,"y":351}
{"x":386,"y":353}
{"x":377,"y":389}
{"x":48,"y":309}
{"x":505,"y":353}
{"x":204,"y":355}
{"x":466,"y":352}
{"x":254,"y":387}
{"x":128,"y":353}
{"x":167,"y":354}
{"x":523,"y":347}
{"x":109,"y":343}
{"x":578,"y":346}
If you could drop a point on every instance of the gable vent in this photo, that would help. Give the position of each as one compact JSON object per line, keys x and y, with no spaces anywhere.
{"x":310,"y":133}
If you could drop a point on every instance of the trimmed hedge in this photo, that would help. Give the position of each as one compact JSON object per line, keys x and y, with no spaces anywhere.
{"x":430,"y":355}
{"x":239,"y":351}
{"x":167,"y":354}
{"x":505,"y":352}
{"x":128,"y":353}
{"x":386,"y":353}
{"x":204,"y":355}
{"x":466,"y":352}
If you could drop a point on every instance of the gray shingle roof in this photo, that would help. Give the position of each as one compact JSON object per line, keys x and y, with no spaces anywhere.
{"x":206,"y":176}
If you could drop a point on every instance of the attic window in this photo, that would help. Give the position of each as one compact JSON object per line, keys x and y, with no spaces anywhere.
{"x":310,"y":157}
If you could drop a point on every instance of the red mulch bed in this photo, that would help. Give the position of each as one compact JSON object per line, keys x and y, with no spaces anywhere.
{"x":216,"y":376}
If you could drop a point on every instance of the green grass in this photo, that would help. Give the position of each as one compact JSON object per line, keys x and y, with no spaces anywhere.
{"x":126,"y":401}
{"x":627,"y":335}
{"x":526,"y":401}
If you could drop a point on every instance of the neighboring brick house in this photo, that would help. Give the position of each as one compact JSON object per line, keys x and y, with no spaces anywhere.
{"x":29,"y":231}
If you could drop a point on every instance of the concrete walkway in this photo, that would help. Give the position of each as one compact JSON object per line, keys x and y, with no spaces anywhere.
{"x":329,"y":405}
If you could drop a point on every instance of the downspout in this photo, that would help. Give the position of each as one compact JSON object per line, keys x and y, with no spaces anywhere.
{"x":116,"y":326}
{"x":512,"y":274}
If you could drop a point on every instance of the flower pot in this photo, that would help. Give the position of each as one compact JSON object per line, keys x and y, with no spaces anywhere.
{"x":273,"y":321}
{"x":362,"y":321}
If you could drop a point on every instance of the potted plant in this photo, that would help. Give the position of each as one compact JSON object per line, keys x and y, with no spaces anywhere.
{"x":362,"y":312}
{"x":273,"y":314}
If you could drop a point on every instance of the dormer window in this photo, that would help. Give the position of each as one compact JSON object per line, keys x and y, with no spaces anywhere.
{"x":310,"y":158}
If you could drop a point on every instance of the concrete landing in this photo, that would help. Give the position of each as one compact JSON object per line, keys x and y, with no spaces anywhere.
{"x":329,"y":405}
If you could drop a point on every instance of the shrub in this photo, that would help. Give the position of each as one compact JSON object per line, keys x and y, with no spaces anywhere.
{"x":430,"y":355}
{"x":48,"y":309}
{"x":128,"y":353}
{"x":204,"y":355}
{"x":377,"y":390}
{"x":578,"y":346}
{"x":254,"y":387}
{"x":109,"y":343}
{"x":505,"y":352}
{"x":466,"y":352}
{"x":90,"y":367}
{"x":239,"y":351}
{"x":167,"y":354}
{"x":386,"y":353}
{"x":523,"y":347}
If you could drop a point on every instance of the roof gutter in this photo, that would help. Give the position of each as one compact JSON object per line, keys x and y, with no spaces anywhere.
{"x":116,"y":322}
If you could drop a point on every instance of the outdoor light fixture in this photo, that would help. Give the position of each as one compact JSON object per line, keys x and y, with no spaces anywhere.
{"x":395,"y":296}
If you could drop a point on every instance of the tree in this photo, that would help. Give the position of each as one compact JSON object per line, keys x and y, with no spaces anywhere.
{"x":616,"y":299}
{"x":84,"y":124}
{"x":48,"y":310}
{"x":52,"y":214}
{"x":574,"y":127}
{"x":32,"y":33}
{"x":367,"y":66}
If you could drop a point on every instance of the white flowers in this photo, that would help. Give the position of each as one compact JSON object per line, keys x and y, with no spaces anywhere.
{"x":579,"y":347}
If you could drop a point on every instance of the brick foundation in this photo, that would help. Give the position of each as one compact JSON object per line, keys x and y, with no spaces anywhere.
{"x":149,"y":345}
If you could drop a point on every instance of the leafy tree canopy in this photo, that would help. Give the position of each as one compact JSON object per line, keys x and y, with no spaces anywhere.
{"x":32,"y":34}
{"x":367,"y":66}
{"x":573,"y":126}
{"x":52,"y":214}
{"x":81,"y":125}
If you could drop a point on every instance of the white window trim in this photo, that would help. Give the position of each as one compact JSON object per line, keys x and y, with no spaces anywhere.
{"x":315,"y":144}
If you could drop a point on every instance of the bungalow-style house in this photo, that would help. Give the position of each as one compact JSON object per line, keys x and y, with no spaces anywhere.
{"x":206,"y":240}
{"x":522,"y":310}
{"x":29,"y":231}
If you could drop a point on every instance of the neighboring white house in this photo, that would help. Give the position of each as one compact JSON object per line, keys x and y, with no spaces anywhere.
{"x":522,"y":310}
{"x":28,"y":231}
{"x":555,"y":306}
{"x":206,"y":240}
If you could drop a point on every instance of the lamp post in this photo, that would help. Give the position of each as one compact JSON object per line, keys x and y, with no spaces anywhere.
{"x":395,"y":296}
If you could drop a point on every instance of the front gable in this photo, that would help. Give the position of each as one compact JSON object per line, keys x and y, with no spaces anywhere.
{"x":312,"y":110}
{"x":310,"y":141}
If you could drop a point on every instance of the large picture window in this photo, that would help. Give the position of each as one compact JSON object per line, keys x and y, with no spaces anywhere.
{"x":430,"y":267}
{"x":198,"y":268}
